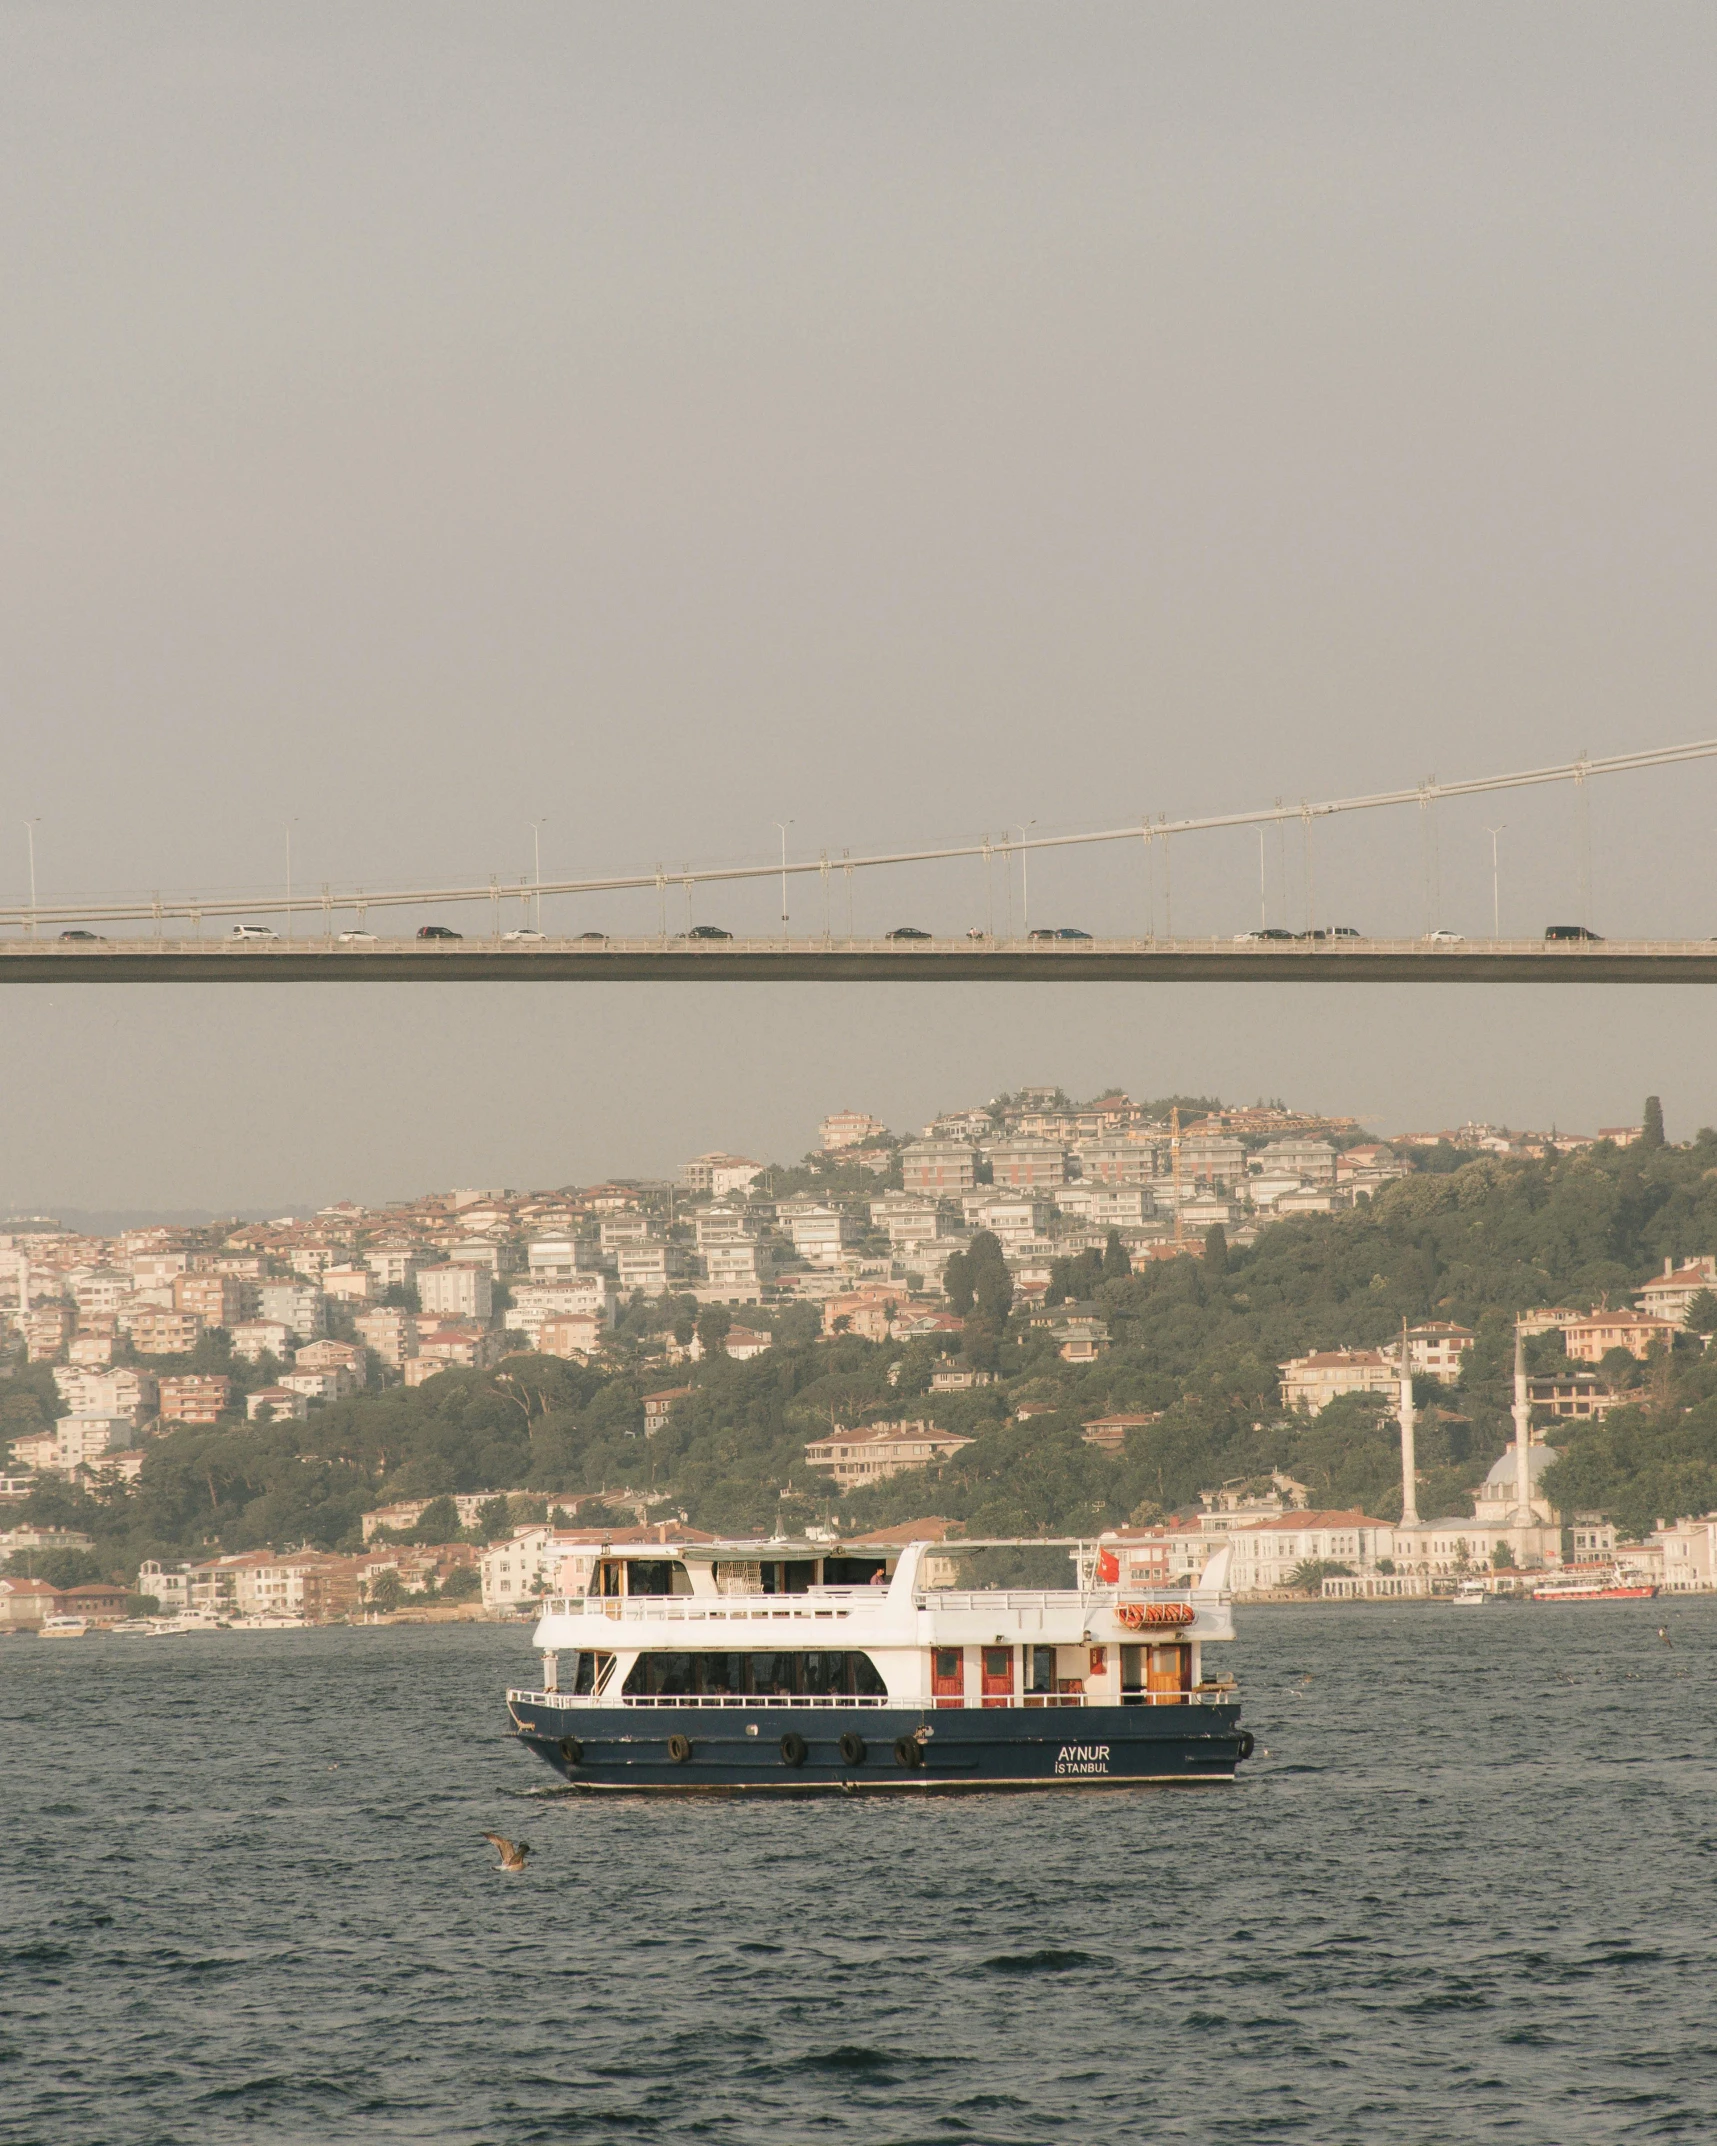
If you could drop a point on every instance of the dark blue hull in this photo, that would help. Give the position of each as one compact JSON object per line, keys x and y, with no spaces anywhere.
{"x":694,"y":1750}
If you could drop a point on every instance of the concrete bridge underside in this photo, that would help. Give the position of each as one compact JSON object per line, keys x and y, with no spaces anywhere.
{"x":1111,"y":961}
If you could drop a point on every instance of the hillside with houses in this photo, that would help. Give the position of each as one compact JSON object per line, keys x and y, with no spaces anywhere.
{"x":1171,"y":1321}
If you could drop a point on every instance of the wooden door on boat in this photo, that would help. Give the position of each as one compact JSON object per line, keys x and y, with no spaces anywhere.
{"x":998,"y":1676}
{"x":948,"y":1675}
{"x":1169,"y":1673}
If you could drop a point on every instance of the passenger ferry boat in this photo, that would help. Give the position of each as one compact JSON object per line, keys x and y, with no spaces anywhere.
{"x":1593,"y":1583}
{"x":795,"y":1667}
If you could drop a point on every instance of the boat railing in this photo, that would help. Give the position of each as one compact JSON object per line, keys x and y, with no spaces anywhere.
{"x":692,"y":1609}
{"x":968,"y":1703}
{"x":1005,"y":1598}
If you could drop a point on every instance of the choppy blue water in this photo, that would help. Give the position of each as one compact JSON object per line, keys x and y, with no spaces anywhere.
{"x":1470,"y":1894}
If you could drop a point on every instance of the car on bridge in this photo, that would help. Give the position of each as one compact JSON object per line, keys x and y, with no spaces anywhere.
{"x":1272,"y":931}
{"x":251,"y":931}
{"x":357,"y":938}
{"x":1335,"y":931}
{"x":706,"y":931}
{"x":1058,"y":931}
{"x":1444,"y":938}
{"x":1572,"y":931}
{"x":438,"y":931}
{"x":90,"y":935}
{"x":601,"y":937}
{"x":907,"y":931}
{"x":522,"y":934}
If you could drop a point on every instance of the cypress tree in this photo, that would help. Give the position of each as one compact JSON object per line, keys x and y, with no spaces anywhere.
{"x":1651,"y":1130}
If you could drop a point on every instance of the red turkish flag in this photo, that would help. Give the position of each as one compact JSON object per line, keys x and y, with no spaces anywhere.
{"x":1108,"y":1565}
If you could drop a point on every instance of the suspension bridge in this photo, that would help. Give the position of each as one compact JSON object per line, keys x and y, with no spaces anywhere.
{"x":324,"y":932}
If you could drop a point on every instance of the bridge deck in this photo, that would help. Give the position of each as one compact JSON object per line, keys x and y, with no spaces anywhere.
{"x":474,"y":960}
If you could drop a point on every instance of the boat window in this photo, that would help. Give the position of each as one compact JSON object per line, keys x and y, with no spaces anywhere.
{"x":589,"y":1672}
{"x":656,"y":1576}
{"x":812,"y":1674}
{"x":789,"y":1576}
{"x":1040,"y":1669}
{"x":852,"y":1571}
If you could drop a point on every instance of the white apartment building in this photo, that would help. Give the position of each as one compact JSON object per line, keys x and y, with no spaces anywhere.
{"x":276,"y":1404}
{"x":1311,"y":1161}
{"x":298,"y":1306}
{"x":349,"y":1284}
{"x":390,"y":1333}
{"x":1435,"y":1351}
{"x":1122,"y":1162}
{"x":821,"y":1235}
{"x":81,"y":1441}
{"x":118,"y":1391}
{"x":562,"y":1259}
{"x":737,"y":1270}
{"x":1312,"y":1382}
{"x":155,"y":1270}
{"x":943,"y":1168}
{"x":395,"y":1265}
{"x":100,"y":1291}
{"x":1266,"y":1553}
{"x":1669,"y":1294}
{"x":653,"y":1268}
{"x":522,"y":1567}
{"x":455,"y":1291}
{"x":252,"y":1338}
{"x":1108,"y":1207}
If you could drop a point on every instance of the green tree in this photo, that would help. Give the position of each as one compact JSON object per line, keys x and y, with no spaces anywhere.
{"x":1702,"y":1313}
{"x":387,"y":1589}
{"x":957,"y":1283}
{"x":1502,"y":1558}
{"x":1215,"y":1250}
{"x":492,"y":1520}
{"x":438,"y":1522}
{"x":463,"y":1584}
{"x":1651,"y":1125}
{"x":992,"y":1284}
{"x":1117,"y":1267}
{"x":60,"y":1568}
{"x":715,"y":1323}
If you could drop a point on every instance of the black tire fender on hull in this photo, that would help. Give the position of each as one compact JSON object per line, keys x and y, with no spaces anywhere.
{"x":710,"y":1751}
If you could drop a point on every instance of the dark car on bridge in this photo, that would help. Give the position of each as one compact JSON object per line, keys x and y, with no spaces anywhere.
{"x":706,"y":931}
{"x":1058,"y":931}
{"x":908,"y":931}
{"x":80,"y":935}
{"x":1273,"y":931}
{"x":1572,"y":931}
{"x":438,"y":931}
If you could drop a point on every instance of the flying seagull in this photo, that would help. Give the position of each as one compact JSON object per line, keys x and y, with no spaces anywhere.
{"x":1663,"y":1634}
{"x":512,"y":1852}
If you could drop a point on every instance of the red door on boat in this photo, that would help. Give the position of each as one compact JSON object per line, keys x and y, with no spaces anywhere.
{"x":998,"y":1676}
{"x":948,"y":1676}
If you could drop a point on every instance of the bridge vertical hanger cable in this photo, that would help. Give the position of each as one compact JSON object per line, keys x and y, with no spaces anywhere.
{"x":1583,"y":807}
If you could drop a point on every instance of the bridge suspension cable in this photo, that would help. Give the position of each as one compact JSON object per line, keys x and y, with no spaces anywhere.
{"x":154,"y":908}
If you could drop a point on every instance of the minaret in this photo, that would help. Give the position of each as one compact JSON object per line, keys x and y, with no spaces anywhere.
{"x":1409,"y":1469}
{"x":1524,"y":1515}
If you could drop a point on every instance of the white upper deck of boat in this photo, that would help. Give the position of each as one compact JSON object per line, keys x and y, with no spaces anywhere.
{"x":750,"y":1593}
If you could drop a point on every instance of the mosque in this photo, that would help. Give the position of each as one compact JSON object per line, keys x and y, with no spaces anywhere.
{"x":1510,"y":1508}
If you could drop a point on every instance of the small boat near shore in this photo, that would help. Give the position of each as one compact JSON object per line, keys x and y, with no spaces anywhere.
{"x":63,"y":1627}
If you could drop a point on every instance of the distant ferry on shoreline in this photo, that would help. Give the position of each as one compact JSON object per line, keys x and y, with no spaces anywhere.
{"x":798,"y":1667}
{"x":1593,"y":1584}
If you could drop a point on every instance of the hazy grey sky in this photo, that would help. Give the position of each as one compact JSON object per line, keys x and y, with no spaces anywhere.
{"x":418,"y":419}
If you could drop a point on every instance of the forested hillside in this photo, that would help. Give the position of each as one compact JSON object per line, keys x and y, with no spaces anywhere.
{"x":1193,"y":1341}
